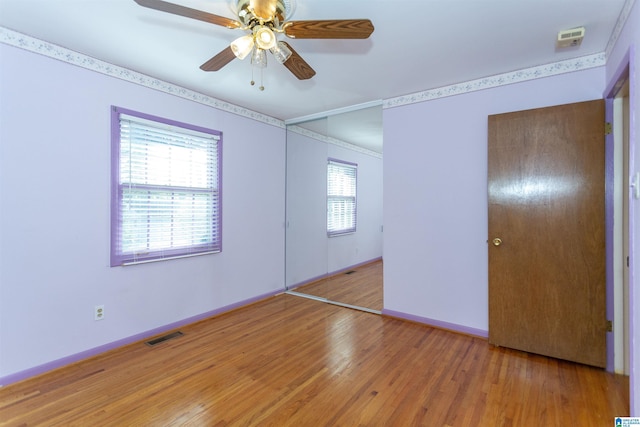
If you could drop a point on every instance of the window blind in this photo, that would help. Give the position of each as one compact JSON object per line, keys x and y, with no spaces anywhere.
{"x":341,"y":197}
{"x":167,"y":201}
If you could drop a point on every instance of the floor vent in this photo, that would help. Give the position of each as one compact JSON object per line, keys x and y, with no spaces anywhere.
{"x":164,"y":338}
{"x":350,"y":272}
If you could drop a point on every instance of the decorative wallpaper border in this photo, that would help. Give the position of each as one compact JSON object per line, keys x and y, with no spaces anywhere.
{"x":23,"y":41}
{"x":329,"y":140}
{"x":50,"y":50}
{"x":622,"y":19}
{"x":567,"y":66}
{"x":31,"y":44}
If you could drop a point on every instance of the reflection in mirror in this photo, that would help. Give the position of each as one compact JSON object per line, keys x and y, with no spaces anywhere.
{"x":344,"y":268}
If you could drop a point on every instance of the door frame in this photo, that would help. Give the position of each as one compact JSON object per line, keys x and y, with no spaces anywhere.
{"x":613,"y":207}
{"x":625,"y":72}
{"x":533,"y":153}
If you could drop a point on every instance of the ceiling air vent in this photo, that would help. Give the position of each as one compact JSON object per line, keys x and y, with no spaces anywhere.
{"x":570,"y":38}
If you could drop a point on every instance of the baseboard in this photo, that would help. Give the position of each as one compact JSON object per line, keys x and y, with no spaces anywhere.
{"x":333,"y":273}
{"x":453,"y":327}
{"x":74,"y":358}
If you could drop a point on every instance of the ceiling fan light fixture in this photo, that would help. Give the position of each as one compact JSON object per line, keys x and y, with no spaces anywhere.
{"x":281,"y":52}
{"x":242,"y":46}
{"x":259,"y":58}
{"x":263,"y":19}
{"x":265,"y":39}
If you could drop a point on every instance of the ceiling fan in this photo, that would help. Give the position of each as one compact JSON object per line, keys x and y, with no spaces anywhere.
{"x":263,"y":20}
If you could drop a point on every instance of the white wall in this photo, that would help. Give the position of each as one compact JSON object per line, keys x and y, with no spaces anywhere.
{"x":435,"y":195}
{"x":310,"y":253}
{"x":54,"y":215}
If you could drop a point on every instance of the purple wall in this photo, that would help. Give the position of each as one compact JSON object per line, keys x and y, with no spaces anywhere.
{"x":54,"y":209}
{"x":624,"y":51}
{"x":435,"y":195}
{"x":55,"y":225}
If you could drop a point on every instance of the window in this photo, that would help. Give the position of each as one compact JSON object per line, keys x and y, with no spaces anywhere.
{"x":165,"y":200}
{"x":341,"y":197}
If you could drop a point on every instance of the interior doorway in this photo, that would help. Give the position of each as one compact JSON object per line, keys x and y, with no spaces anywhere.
{"x":621,"y":197}
{"x":547,"y":291}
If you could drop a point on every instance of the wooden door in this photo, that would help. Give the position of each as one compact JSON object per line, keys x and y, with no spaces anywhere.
{"x":546,"y":207}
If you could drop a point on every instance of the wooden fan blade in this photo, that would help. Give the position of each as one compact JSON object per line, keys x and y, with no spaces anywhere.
{"x":329,"y":29}
{"x":298,"y":66}
{"x":219,"y":61}
{"x":176,"y":9}
{"x":264,"y":9}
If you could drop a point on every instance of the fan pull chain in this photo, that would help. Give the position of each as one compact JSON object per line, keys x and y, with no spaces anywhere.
{"x":261,"y":79}
{"x":253,"y":82}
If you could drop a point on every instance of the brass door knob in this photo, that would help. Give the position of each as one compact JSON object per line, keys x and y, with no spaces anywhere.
{"x":497,"y":241}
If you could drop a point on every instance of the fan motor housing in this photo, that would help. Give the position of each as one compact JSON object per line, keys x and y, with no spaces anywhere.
{"x":250,"y":17}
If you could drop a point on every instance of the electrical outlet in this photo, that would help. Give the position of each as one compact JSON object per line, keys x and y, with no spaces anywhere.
{"x":98,"y":313}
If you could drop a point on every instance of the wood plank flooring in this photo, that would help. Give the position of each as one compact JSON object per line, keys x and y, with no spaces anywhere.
{"x":291,"y":361}
{"x":362,"y":288}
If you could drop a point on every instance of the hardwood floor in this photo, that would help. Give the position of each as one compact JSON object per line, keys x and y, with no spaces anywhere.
{"x":290,"y":361}
{"x":362,"y":287}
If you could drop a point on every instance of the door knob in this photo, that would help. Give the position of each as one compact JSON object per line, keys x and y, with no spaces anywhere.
{"x":497,"y":241}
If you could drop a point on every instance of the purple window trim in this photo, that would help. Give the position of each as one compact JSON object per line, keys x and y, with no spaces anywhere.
{"x":344,"y":162}
{"x":119,"y":259}
{"x":350,"y":230}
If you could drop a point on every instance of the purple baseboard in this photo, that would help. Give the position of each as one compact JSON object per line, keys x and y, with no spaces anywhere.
{"x":437,"y":323}
{"x":333,"y":273}
{"x":55,"y":364}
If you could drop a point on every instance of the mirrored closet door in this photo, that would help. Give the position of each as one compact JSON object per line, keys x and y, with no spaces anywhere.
{"x":334,"y":208}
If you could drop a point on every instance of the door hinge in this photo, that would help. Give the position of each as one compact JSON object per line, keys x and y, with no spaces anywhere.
{"x":609,"y":326}
{"x":608,"y":128}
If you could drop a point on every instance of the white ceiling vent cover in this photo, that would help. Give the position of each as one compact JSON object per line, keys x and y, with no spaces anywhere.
{"x":570,"y":38}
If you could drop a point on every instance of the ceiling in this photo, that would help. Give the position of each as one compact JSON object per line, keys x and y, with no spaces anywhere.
{"x":417,"y":45}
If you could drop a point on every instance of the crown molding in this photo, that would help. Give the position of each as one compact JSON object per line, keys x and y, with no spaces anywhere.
{"x":50,"y":50}
{"x":562,"y":67}
{"x":567,"y":66}
{"x":34,"y":45}
{"x":622,"y":20}
{"x":334,"y":112}
{"x":329,"y":140}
